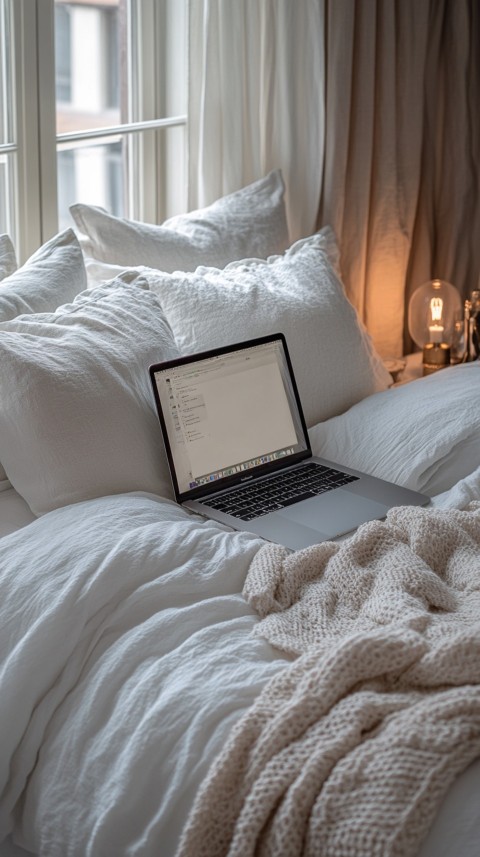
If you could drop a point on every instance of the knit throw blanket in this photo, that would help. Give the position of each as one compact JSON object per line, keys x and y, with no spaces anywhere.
{"x":350,"y":749}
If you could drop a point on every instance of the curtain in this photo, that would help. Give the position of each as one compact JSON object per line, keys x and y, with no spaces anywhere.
{"x":401,"y":181}
{"x":256,"y":101}
{"x":371,"y":109}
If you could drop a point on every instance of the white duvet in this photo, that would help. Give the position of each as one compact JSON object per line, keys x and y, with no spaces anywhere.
{"x":126,"y":654}
{"x":126,"y":657}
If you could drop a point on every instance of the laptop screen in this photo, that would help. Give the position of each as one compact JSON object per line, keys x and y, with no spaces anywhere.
{"x":227,"y":413}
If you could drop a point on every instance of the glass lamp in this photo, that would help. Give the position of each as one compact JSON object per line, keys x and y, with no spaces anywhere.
{"x":433,"y":314}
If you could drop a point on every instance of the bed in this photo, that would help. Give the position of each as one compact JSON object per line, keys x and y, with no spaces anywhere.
{"x":150,"y":660}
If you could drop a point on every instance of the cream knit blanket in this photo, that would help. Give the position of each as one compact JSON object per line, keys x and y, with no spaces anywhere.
{"x":350,"y":749}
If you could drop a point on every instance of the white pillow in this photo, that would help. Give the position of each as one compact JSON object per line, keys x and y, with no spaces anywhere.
{"x":297,"y":294}
{"x":424,"y":435}
{"x":77,"y":416}
{"x":98,"y":272}
{"x":8,"y":259}
{"x":249,"y":222}
{"x":52,"y":276}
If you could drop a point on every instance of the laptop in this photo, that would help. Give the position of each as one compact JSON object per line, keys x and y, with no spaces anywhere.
{"x":239,"y":452}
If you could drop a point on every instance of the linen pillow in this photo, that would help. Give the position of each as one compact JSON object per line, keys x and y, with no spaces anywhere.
{"x":8,"y":259}
{"x":248,"y":222}
{"x":77,"y":417}
{"x":98,"y":272}
{"x":297,"y":294}
{"x":424,"y":435}
{"x":52,"y":276}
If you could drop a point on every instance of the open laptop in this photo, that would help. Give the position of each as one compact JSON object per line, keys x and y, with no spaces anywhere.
{"x":239,"y":452}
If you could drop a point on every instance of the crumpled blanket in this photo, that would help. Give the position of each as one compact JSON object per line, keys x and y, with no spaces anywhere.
{"x":350,"y":749}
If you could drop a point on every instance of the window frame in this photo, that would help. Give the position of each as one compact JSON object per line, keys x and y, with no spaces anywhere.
{"x":36,"y":140}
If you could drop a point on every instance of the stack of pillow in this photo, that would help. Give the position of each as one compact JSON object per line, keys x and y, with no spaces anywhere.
{"x":77,"y":418}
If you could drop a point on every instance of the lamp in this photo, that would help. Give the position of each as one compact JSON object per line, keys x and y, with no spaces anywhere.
{"x":434,"y":311}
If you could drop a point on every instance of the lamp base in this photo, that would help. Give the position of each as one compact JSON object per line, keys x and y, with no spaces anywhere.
{"x":436,"y":355}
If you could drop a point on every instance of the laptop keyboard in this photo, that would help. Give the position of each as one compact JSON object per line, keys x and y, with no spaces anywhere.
{"x":279,"y":491}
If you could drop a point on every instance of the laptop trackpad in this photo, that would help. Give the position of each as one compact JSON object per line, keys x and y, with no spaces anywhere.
{"x":334,"y":512}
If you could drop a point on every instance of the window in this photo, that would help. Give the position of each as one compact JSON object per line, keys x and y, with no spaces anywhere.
{"x":93,"y":109}
{"x":7,"y":147}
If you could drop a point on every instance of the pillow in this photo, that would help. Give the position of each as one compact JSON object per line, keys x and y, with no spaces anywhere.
{"x":297,"y":294}
{"x":8,"y":259}
{"x":52,"y":276}
{"x":98,"y":272}
{"x":424,"y":435}
{"x":249,"y":222}
{"x":77,"y":416}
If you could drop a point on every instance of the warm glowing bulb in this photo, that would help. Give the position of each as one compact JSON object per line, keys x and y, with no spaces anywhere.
{"x":433,"y":312}
{"x":436,"y":306}
{"x":435,"y":330}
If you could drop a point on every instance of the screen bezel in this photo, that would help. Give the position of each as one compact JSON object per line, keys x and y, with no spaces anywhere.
{"x":204,"y":491}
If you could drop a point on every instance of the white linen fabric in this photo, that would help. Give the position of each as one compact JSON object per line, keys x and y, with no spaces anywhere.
{"x":8,"y":259}
{"x":256,"y":101}
{"x":410,"y":435}
{"x":297,"y":294}
{"x":98,"y":272}
{"x":127,"y":658}
{"x":77,"y":417}
{"x":249,"y":222}
{"x":113,"y":614}
{"x":52,"y":276}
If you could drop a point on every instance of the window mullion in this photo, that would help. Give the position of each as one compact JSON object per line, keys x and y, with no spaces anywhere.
{"x":142,"y":106}
{"x":34,"y":124}
{"x":28,"y":217}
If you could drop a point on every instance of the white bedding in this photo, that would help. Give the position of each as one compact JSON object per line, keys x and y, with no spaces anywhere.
{"x":126,"y":652}
{"x":101,"y":604}
{"x":130,"y":657}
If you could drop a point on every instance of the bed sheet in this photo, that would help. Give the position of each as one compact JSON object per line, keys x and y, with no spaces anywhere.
{"x":125,"y":615}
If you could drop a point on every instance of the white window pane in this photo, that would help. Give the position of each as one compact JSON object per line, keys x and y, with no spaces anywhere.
{"x":87,"y":64}
{"x":120,"y":62}
{"x":92,"y":174}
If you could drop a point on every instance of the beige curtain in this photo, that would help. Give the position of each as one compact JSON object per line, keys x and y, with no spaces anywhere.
{"x":401,"y":180}
{"x":372,"y":110}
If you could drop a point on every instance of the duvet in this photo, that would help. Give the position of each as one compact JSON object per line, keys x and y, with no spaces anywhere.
{"x":125,"y":655}
{"x":128,"y":652}
{"x":127,"y":658}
